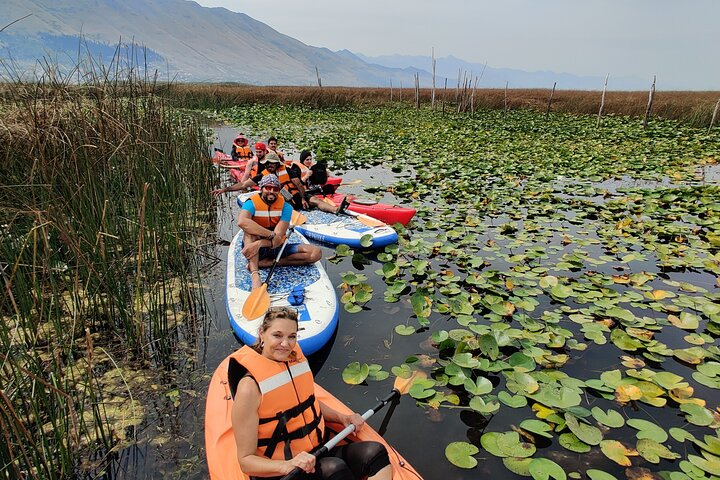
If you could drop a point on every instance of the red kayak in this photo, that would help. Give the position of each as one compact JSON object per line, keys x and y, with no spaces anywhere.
{"x":389,"y":214}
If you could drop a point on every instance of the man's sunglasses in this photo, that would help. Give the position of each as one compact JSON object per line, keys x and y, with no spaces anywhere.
{"x":272,"y":188}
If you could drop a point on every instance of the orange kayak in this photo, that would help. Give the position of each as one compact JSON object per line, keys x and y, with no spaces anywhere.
{"x":220,"y":442}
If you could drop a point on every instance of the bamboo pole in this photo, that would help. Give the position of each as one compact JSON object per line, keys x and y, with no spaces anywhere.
{"x":400,"y":91}
{"x":602,"y":101}
{"x":547,"y":112}
{"x":432,"y":95}
{"x":391,"y":92}
{"x":457,"y":89}
{"x":317,"y":74}
{"x":714,"y":115}
{"x":417,"y":90}
{"x":505,"y":108}
{"x":443,"y":97}
{"x":651,"y":96}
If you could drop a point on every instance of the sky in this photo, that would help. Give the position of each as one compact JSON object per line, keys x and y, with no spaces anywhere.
{"x":677,"y":40}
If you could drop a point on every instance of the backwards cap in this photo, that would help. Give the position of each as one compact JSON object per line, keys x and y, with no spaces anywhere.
{"x":269,"y":179}
{"x":260,"y":146}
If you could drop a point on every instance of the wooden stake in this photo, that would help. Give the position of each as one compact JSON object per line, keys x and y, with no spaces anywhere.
{"x":602,"y":101}
{"x":401,"y":91}
{"x":432,"y":95}
{"x":317,"y":73}
{"x":443,"y":98}
{"x":648,"y":110}
{"x":714,"y":115}
{"x":547,"y":112}
{"x":505,"y":109}
{"x":417,"y":90}
{"x":391,"y":92}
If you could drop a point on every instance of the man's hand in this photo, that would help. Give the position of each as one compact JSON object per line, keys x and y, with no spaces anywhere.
{"x":251,"y":249}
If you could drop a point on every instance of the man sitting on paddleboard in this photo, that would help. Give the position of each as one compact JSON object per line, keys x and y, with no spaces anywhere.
{"x":265,"y":218}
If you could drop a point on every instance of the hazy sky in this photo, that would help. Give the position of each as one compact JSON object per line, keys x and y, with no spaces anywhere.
{"x":675,"y":39}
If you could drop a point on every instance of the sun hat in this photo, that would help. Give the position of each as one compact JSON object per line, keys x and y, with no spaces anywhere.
{"x":269,"y":179}
{"x":272,"y":157}
{"x":260,"y":146}
{"x":240,"y":140}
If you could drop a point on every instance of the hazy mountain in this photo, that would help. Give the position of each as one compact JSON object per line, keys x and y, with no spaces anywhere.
{"x":497,"y":77}
{"x":185,"y":41}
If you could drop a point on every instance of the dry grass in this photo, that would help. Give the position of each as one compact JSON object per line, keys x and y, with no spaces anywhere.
{"x":692,"y":107}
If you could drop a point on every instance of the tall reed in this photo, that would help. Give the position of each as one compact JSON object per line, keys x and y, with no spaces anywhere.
{"x":103,"y":201}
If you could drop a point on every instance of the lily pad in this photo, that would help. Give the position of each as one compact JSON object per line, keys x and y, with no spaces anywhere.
{"x":653,"y":451}
{"x":610,"y":418}
{"x":648,"y":430}
{"x":617,"y":452}
{"x":537,"y":427}
{"x":570,"y":441}
{"x":595,"y":474}
{"x":355,"y":373}
{"x":461,"y":454}
{"x":587,"y":433}
{"x":544,"y":468}
{"x":519,"y":466}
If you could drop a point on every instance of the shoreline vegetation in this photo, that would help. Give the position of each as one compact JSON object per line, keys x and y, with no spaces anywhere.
{"x":104,"y":215}
{"x":691,"y":107}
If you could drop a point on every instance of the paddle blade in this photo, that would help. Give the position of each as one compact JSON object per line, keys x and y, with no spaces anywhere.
{"x":329,"y":201}
{"x":352,"y":182}
{"x":257,"y":303}
{"x":402,"y":385}
{"x":297,"y":219}
{"x":369,"y":221}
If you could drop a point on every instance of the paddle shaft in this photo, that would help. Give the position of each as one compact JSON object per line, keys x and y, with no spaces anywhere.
{"x":345,"y":432}
{"x":279,"y":255}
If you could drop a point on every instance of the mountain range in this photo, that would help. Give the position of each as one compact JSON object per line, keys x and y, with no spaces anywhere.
{"x":184,"y":41}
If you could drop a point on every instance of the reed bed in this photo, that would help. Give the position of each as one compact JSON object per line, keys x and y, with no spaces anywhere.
{"x":103,"y":203}
{"x":695,"y":108}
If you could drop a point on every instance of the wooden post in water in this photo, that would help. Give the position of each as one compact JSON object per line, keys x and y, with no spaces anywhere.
{"x":317,"y":73}
{"x":472,"y":97}
{"x":505,"y":108}
{"x":651,"y":96}
{"x":417,"y":90}
{"x":547,"y":111}
{"x":400,"y":91}
{"x":714,"y":115}
{"x":432,"y":95}
{"x":602,"y":101}
{"x":443,"y":99}
{"x":457,"y":89}
{"x":391,"y":98}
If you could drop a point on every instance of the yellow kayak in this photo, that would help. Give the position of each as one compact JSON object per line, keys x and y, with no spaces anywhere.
{"x":220,"y":442}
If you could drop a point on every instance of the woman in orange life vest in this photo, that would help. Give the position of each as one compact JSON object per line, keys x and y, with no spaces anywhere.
{"x":273,"y":376}
{"x":240,"y":149}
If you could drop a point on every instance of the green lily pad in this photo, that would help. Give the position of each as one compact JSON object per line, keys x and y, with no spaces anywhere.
{"x":710,"y":465}
{"x":653,"y":451}
{"x":587,"y":433}
{"x":484,"y":406}
{"x":648,"y":430}
{"x":461,"y":454}
{"x":696,"y":414}
{"x":544,"y":468}
{"x":617,"y":452}
{"x":404,"y":330}
{"x":366,"y":241}
{"x":519,"y":466}
{"x":595,"y":474}
{"x":512,"y":401}
{"x":480,"y":386}
{"x":611,"y":418}
{"x":355,"y":373}
{"x":537,"y":427}
{"x":570,"y":441}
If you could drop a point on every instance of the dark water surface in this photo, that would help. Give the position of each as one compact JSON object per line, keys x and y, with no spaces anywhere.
{"x":420,"y":434}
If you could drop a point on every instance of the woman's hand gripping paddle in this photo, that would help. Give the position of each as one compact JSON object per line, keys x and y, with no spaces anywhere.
{"x":400,"y":387}
{"x":258,"y":301}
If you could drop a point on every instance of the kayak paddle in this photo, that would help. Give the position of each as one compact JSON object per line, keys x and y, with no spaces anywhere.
{"x":400,"y":387}
{"x":258,"y":301}
{"x":361,"y":217}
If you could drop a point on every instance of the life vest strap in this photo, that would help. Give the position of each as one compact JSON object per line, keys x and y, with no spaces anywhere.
{"x":281,"y":434}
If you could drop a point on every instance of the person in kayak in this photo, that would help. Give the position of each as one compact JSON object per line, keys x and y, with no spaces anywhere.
{"x":277,"y":419}
{"x":299,"y":198}
{"x":272,"y":145}
{"x":252,"y":168}
{"x":264,"y":219}
{"x":240,"y":149}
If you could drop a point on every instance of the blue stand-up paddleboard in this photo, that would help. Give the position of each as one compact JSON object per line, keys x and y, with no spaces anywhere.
{"x":346,"y":229}
{"x":305,"y":288}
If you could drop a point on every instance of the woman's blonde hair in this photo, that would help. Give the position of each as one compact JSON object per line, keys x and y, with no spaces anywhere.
{"x":273,"y":314}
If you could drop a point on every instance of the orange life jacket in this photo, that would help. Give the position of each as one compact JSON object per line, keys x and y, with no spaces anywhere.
{"x":289,"y":413}
{"x":243,"y":153}
{"x":285,"y":180}
{"x":267,"y":216}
